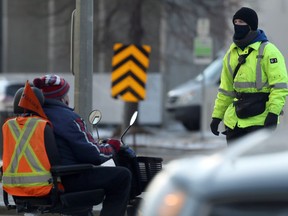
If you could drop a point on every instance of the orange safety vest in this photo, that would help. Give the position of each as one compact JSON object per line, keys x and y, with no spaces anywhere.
{"x":26,"y":167}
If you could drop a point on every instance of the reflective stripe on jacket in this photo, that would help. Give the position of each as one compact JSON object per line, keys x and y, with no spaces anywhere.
{"x":272,"y":79}
{"x":26,"y":167}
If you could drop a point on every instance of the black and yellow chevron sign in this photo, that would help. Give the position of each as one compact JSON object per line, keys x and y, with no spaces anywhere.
{"x":130,"y":63}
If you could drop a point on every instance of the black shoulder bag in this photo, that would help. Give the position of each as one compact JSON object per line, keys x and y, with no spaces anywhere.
{"x":248,"y":104}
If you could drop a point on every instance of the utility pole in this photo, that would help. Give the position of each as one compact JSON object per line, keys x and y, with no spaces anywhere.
{"x":51,"y":36}
{"x":82,"y":65}
{"x":136,"y":35}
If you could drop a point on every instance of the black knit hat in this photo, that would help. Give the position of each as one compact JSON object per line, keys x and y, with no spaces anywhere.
{"x":248,"y":15}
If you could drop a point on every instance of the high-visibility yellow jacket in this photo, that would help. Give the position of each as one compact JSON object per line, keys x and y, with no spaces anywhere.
{"x":263,"y":71}
{"x":26,"y":167}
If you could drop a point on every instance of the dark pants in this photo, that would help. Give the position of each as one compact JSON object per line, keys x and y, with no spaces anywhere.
{"x":234,"y":134}
{"x":115,"y":181}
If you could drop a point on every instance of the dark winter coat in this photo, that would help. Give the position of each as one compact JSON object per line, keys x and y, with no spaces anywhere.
{"x":76,"y":144}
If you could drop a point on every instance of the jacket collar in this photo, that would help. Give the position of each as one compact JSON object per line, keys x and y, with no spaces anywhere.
{"x":254,"y":46}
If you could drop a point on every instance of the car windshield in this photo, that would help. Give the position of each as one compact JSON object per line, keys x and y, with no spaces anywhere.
{"x":269,"y":145}
{"x":212,"y":72}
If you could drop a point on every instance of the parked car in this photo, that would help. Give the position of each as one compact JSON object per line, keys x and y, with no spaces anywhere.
{"x":184,"y":102}
{"x":8,"y":89}
{"x":248,"y":178}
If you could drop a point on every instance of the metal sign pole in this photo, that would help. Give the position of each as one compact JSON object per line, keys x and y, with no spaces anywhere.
{"x":83,"y":57}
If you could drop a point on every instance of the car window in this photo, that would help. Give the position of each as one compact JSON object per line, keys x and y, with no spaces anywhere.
{"x":11,"y":89}
{"x":212,"y":72}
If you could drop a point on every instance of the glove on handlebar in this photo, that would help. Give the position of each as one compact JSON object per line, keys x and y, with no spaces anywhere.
{"x":114,"y":143}
{"x":127,"y":151}
{"x":214,"y":126}
{"x":271,"y":120}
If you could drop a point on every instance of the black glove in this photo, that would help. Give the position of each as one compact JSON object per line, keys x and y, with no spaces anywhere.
{"x":214,"y":126}
{"x":127,"y":151}
{"x":271,"y":120}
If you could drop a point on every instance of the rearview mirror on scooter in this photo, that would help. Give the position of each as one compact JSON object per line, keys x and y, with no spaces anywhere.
{"x":132,"y":120}
{"x":94,"y":118}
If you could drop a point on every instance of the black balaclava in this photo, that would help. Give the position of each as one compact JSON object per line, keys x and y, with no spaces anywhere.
{"x":243,"y":34}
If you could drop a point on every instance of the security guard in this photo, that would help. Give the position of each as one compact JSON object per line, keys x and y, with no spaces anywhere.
{"x":253,"y":86}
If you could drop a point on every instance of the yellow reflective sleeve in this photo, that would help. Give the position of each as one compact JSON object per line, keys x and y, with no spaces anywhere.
{"x":223,"y":99}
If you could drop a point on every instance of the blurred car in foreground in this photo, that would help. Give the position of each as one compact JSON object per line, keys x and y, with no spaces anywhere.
{"x":184,"y":101}
{"x":248,"y":178}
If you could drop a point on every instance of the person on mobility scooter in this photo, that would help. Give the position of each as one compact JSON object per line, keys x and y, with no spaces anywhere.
{"x":77,"y":145}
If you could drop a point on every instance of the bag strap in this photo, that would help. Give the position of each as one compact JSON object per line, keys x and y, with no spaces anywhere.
{"x":241,"y":60}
